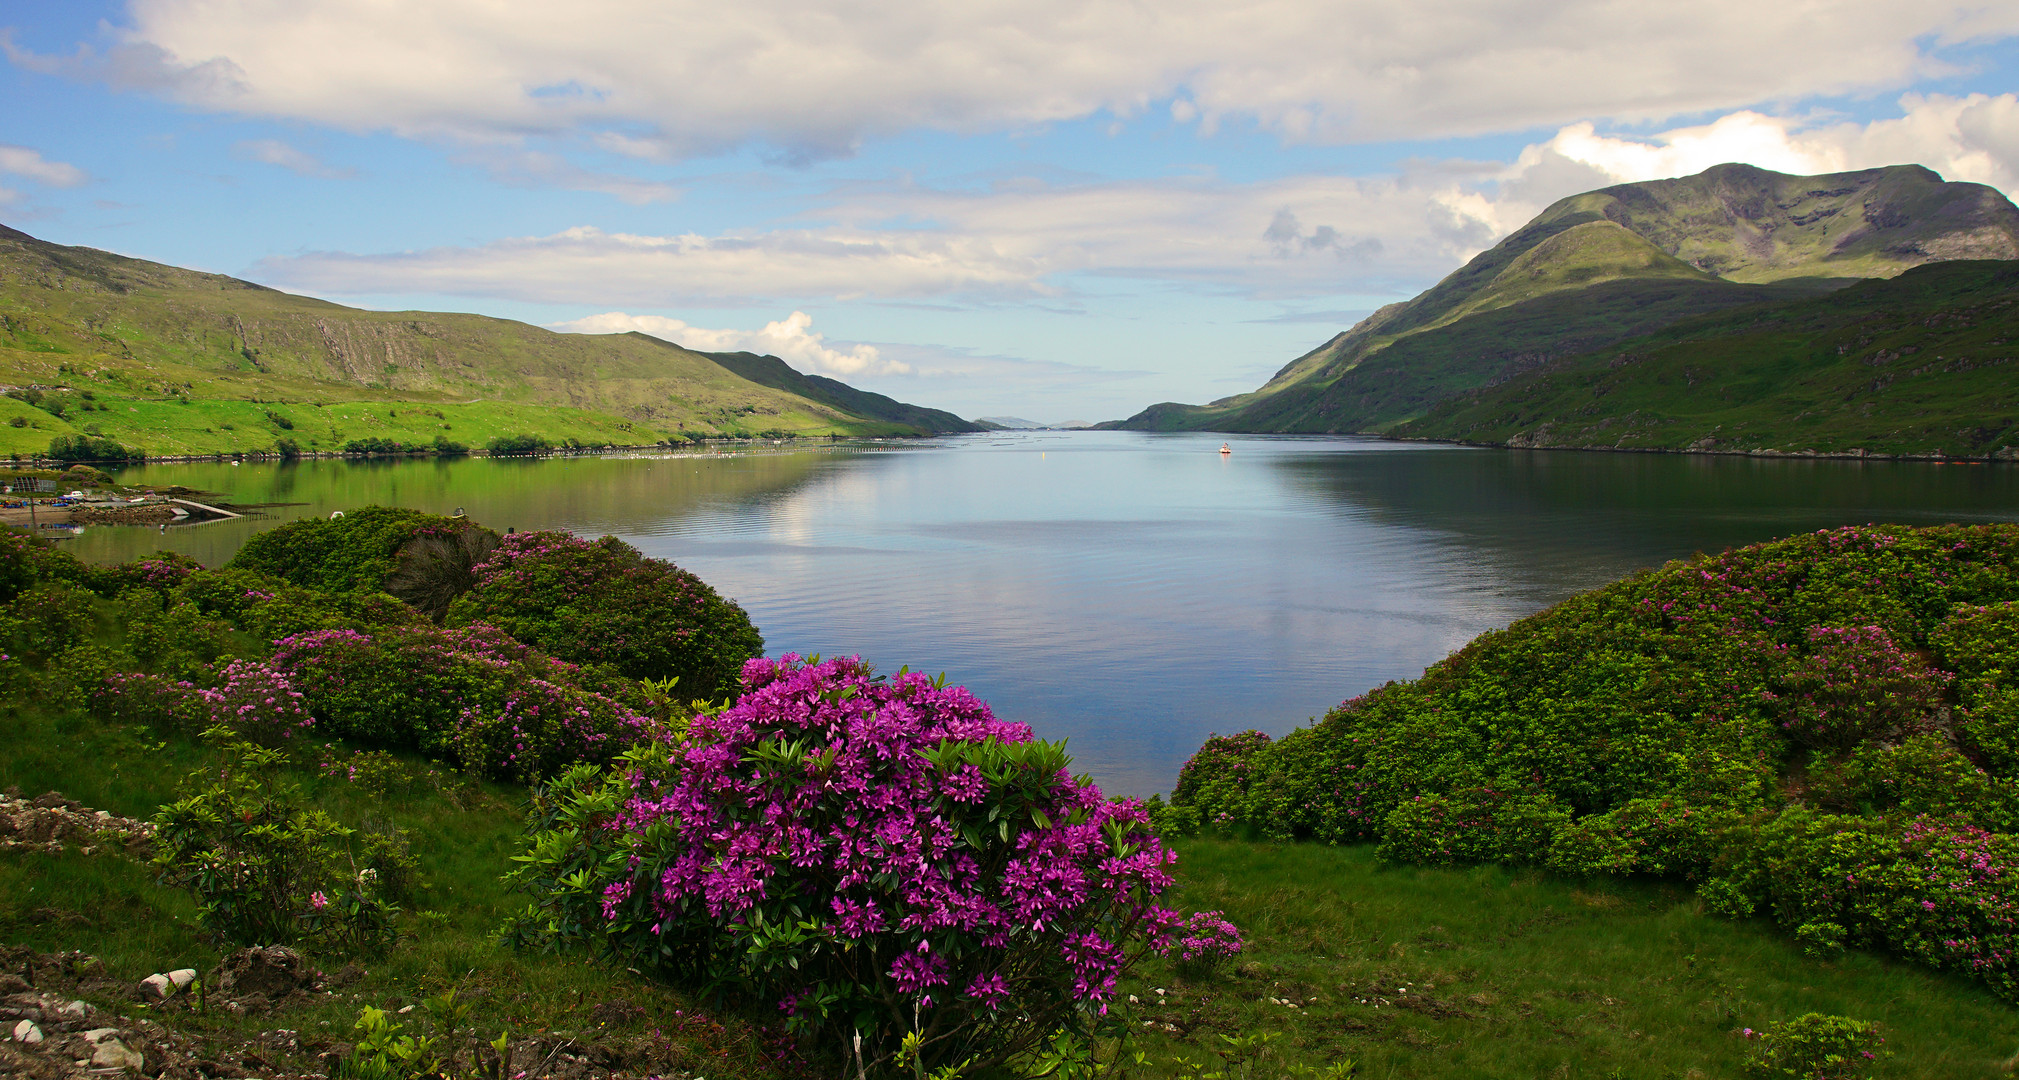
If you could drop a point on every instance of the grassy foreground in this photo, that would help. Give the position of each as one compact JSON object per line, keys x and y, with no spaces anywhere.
{"x":1486,"y":971}
{"x":463,"y":834}
{"x":1406,"y":972}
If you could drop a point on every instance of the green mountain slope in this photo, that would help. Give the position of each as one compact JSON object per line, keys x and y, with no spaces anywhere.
{"x":1598,"y":268}
{"x":773,"y":372}
{"x":1926,"y":363}
{"x":144,"y":334}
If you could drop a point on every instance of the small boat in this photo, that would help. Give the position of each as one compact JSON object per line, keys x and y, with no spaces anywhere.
{"x":1225,"y":449}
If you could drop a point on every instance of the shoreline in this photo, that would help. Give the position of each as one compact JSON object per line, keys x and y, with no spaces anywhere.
{"x":2001,"y":456}
{"x":42,"y":462}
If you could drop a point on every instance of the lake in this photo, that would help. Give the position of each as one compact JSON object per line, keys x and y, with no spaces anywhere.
{"x":1129,"y":592}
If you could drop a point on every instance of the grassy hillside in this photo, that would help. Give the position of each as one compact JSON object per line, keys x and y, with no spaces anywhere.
{"x":773,"y":372}
{"x":1404,"y":379}
{"x":135,"y":332}
{"x":1920,"y":364}
{"x":1686,"y":246}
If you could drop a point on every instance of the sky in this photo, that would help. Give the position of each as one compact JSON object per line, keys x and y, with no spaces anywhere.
{"x":1050,"y":209}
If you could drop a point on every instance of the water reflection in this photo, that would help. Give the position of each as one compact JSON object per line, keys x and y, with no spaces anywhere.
{"x":1134,"y":592}
{"x":591,"y":495}
{"x":1544,"y":524}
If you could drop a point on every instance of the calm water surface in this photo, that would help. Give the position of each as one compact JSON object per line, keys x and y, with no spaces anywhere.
{"x":1129,"y":592}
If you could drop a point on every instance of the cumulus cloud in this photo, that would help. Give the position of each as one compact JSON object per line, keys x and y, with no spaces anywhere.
{"x":1973,"y":138}
{"x":24,"y":162}
{"x":667,"y":78}
{"x":299,"y":162}
{"x":791,"y":339}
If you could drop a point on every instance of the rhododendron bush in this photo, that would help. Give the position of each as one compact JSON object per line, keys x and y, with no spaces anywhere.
{"x":473,"y":696}
{"x":1687,"y":722}
{"x":880,"y":856}
{"x":601,"y":602}
{"x":252,"y":700}
{"x":356,"y":551}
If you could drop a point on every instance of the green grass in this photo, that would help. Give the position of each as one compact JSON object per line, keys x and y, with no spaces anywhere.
{"x":112,"y":907}
{"x":168,"y":427}
{"x":1514,"y":973}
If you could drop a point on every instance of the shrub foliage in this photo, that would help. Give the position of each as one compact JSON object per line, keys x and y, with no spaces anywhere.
{"x":472,"y":696}
{"x":601,"y":602}
{"x":357,"y":551}
{"x":1823,"y":730}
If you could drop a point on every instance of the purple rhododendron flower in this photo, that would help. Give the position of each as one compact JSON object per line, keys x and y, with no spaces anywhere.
{"x":910,"y":840}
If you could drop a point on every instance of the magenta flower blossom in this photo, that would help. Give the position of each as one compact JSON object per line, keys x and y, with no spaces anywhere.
{"x":917,"y":848}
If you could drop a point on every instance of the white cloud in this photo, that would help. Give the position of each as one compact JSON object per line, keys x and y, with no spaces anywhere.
{"x":300,"y":162}
{"x":528,"y":168}
{"x":1974,"y":138}
{"x":1030,"y":241}
{"x":586,"y":265}
{"x":791,"y":339}
{"x":22,"y":161}
{"x":674,"y":77}
{"x":1018,"y":242}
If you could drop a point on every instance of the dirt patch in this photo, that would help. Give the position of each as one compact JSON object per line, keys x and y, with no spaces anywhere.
{"x":49,"y":1032}
{"x":263,"y":977}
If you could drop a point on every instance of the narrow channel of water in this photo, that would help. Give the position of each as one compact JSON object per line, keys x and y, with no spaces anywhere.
{"x":1129,"y":592}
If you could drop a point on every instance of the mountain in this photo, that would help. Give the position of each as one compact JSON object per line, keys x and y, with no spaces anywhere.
{"x":107,"y":328}
{"x":1925,"y":364}
{"x":1599,"y":268}
{"x":1011,"y":423}
{"x":777,"y":374}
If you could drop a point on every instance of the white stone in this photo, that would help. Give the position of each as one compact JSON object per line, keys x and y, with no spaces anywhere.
{"x":27,"y":1032}
{"x":113,"y":1054}
{"x":158,"y":985}
{"x":182,"y":977}
{"x":98,"y":1035}
{"x":75,"y":1010}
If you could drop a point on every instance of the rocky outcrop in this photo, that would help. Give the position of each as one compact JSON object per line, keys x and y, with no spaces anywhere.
{"x":52,"y":823}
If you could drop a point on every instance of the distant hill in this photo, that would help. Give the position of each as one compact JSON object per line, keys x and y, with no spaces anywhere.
{"x":777,"y":374}
{"x":145,"y":334}
{"x":1926,"y":363}
{"x":1599,"y":268}
{"x":1010,"y":423}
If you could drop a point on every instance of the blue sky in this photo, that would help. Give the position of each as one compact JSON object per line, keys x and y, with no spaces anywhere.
{"x":1057,"y":210}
